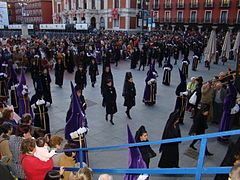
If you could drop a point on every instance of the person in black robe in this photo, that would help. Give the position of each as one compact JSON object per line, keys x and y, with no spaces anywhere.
{"x":3,"y":87}
{"x":231,"y":156}
{"x":46,"y":84}
{"x":129,"y":93}
{"x":41,"y":111}
{"x":185,"y":64}
{"x":143,"y":59}
{"x":110,"y":97}
{"x":170,"y":151}
{"x":12,"y":86}
{"x":167,"y":68}
{"x":69,"y":61}
{"x":195,"y":63}
{"x":80,"y":78}
{"x":59,"y":73}
{"x":93,"y":71}
{"x":134,"y":58}
{"x":181,"y":93}
{"x":146,"y":151}
{"x":200,"y":125}
{"x":34,"y":69}
{"x":176,"y":54}
{"x":107,"y":74}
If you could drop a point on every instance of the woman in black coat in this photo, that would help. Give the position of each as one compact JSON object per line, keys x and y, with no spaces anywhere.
{"x":200,"y":125}
{"x":59,"y":72}
{"x":110,"y":97}
{"x":46,"y":85}
{"x":80,"y":78}
{"x":93,"y":71}
{"x":170,"y":152}
{"x":146,"y":151}
{"x":129,"y":93}
{"x":106,"y":75}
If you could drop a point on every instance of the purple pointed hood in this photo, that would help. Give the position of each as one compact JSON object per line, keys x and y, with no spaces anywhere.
{"x":22,"y":77}
{"x":13,"y":77}
{"x":135,"y":159}
{"x":77,"y":118}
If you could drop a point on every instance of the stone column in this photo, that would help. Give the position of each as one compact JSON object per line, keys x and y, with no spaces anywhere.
{"x":230,"y":29}
{"x":200,"y":28}
{"x":127,"y":23}
{"x":161,"y":27}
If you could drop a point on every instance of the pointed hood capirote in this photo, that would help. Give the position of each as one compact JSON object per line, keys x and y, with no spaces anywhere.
{"x":182,"y":86}
{"x":13,"y":77}
{"x":135,"y":159}
{"x":77,"y":118}
{"x":22,"y":77}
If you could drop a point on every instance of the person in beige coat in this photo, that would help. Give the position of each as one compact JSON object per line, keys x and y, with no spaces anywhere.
{"x":6,"y":129}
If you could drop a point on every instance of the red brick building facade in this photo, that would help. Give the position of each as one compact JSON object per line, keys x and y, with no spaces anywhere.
{"x":33,"y":11}
{"x":195,"y":13}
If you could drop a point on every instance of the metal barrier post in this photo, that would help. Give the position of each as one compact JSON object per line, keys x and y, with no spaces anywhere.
{"x":81,"y":158}
{"x":201,"y":156}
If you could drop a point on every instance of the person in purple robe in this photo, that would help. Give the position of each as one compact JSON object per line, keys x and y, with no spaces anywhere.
{"x":135,"y":159}
{"x":181,"y":93}
{"x":23,"y":99}
{"x":150,"y":90}
{"x":76,"y":127}
{"x":230,"y":108}
{"x":12,"y":86}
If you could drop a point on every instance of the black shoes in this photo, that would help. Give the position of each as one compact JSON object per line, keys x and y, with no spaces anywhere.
{"x":111,"y":122}
{"x":208,"y":153}
{"x":193,"y":147}
{"x":106,"y":117}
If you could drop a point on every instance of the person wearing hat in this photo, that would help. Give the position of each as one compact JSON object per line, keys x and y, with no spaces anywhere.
{"x":59,"y":72}
{"x":93,"y":71}
{"x":170,"y":151}
{"x":106,"y":75}
{"x":185,"y":64}
{"x":46,"y":85}
{"x":146,"y":151}
{"x":110,"y":97}
{"x":129,"y":93}
{"x":200,"y":125}
{"x":167,"y":68}
{"x":195,"y":62}
{"x":80,"y":78}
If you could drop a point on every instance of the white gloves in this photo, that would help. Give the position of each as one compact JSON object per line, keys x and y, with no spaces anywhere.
{"x":235,"y":109}
{"x":24,"y":92}
{"x":40,"y":102}
{"x":151,"y":81}
{"x":79,"y":132}
{"x":184,"y":93}
{"x":142,"y":177}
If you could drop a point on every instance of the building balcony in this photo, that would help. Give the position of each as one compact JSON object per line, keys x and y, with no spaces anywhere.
{"x":224,"y":5}
{"x":167,"y":20}
{"x":207,"y":21}
{"x":180,"y":6}
{"x":209,"y":5}
{"x":168,"y":6}
{"x":179,"y":20}
{"x":193,"y":20}
{"x":156,"y":6}
{"x":193,"y":5}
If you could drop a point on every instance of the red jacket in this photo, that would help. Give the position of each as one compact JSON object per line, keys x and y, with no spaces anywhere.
{"x":34,"y":168}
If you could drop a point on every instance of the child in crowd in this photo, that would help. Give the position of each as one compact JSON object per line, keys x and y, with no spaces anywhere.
{"x":42,"y":151}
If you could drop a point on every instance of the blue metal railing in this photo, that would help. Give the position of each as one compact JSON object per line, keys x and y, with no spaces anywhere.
{"x":198,"y":171}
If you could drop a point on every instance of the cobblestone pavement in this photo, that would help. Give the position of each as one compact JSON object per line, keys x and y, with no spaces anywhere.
{"x":102,"y":133}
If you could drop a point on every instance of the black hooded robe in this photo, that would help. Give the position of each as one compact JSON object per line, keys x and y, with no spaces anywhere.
{"x":59,"y":73}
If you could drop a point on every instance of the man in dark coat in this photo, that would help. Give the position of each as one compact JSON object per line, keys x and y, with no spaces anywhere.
{"x":129,"y":93}
{"x":46,"y":85}
{"x":106,"y":75}
{"x":93,"y":71}
{"x":167,"y":68}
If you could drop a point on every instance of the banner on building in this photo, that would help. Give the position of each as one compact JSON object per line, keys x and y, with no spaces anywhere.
{"x":115,"y":13}
{"x":52,"y":26}
{"x":81,"y":27}
{"x":3,"y":13}
{"x":19,"y":26}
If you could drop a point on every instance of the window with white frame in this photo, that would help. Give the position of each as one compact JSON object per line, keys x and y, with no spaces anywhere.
{"x":194,"y":3}
{"x":116,"y":22}
{"x":167,"y":16}
{"x":156,"y":4}
{"x":180,"y":16}
{"x":93,"y":4}
{"x":77,"y":4}
{"x":69,"y":5}
{"x":155,"y":16}
{"x":209,"y":3}
{"x":225,"y":2}
{"x":58,"y":7}
{"x":238,"y":17}
{"x":167,"y":3}
{"x":116,"y":4}
{"x":193,"y":17}
{"x":208,"y":16}
{"x":223,"y":16}
{"x":180,"y":3}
